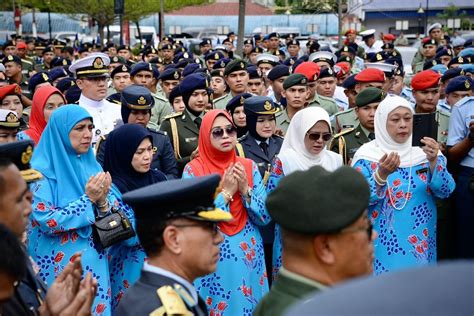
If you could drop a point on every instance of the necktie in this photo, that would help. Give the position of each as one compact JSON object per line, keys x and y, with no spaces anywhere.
{"x":198,"y":122}
{"x":371,"y":136}
{"x":264,"y":147}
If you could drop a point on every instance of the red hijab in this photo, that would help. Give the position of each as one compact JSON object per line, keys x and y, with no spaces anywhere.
{"x":211,"y":160}
{"x":37,"y":122}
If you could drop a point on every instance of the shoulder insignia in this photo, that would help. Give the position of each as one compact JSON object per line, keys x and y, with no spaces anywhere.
{"x":27,"y":62}
{"x":172,"y":302}
{"x":173,"y":115}
{"x":220,"y":98}
{"x":344,"y":132}
{"x":184,"y":295}
{"x":161,"y":311}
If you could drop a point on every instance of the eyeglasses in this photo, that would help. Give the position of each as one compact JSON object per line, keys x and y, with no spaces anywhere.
{"x":369,"y":229}
{"x":213,"y":226}
{"x":218,"y":132}
{"x":315,"y":136}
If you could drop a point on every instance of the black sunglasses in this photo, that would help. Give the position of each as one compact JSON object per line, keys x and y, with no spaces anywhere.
{"x":315,"y":136}
{"x":218,"y":132}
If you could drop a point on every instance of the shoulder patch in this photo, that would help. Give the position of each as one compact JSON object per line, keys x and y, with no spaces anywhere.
{"x":172,"y":302}
{"x":173,"y":115}
{"x":344,"y":132}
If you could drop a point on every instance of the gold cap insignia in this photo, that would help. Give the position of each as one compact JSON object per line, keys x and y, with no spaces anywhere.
{"x":45,"y":77}
{"x":467,"y":84}
{"x":98,"y":63}
{"x":330,"y":71}
{"x":11,"y":118}
{"x":149,"y":67}
{"x":242,"y":65}
{"x":64,"y":62}
{"x":26,"y":155}
{"x":267,"y":106}
{"x":124,"y":68}
{"x":72,"y":83}
{"x":186,"y":55}
{"x":346,"y":49}
{"x":460,"y":59}
{"x":141,"y":100}
{"x":461,"y":73}
{"x":17,"y":89}
{"x":10,"y":57}
{"x":222,"y":64}
{"x":242,"y":100}
{"x":176,"y":75}
{"x":379,"y":57}
{"x":216,"y":56}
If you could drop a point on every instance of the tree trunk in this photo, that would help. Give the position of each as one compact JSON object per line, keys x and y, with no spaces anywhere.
{"x":241,"y":32}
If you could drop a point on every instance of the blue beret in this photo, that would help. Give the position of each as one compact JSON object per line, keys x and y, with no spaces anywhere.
{"x":468,"y":42}
{"x":141,"y":66}
{"x":65,"y":83}
{"x":467,"y":68}
{"x":259,"y":105}
{"x":350,"y":82}
{"x":273,"y":34}
{"x":458,"y":60}
{"x":221,"y":63}
{"x":193,"y":82}
{"x":439,"y":68}
{"x":237,"y":101}
{"x":137,"y":97}
{"x":73,"y":94}
{"x":444,"y":52}
{"x":175,"y":92}
{"x":467,"y":52}
{"x":290,"y":61}
{"x":181,"y":55}
{"x":205,"y":41}
{"x":60,"y":62}
{"x":36,"y":79}
{"x":451,"y":73}
{"x":461,"y":83}
{"x":278,"y":71}
{"x":182,"y":63}
{"x":58,"y":72}
{"x":254,"y":72}
{"x":214,"y":55}
{"x":189,"y":69}
{"x":170,"y":74}
{"x":12,"y":58}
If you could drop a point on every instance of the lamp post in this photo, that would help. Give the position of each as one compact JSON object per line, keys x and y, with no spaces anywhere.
{"x":420,"y":13}
{"x":288,"y":13}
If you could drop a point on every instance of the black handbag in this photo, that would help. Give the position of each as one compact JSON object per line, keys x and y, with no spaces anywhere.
{"x":112,"y":229}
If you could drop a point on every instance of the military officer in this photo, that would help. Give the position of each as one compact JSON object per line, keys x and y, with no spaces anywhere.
{"x":458,"y":88}
{"x":48,"y":56}
{"x":425,"y":85}
{"x":347,"y":142}
{"x":136,"y":103}
{"x":38,"y":80}
{"x":121,"y":79}
{"x":323,"y":245}
{"x":429,"y":52}
{"x":13,"y":71}
{"x":295,"y":91}
{"x":183,"y":128}
{"x":125,"y":52}
{"x":236,"y":78}
{"x":27,"y":64}
{"x":9,"y":126}
{"x":91,"y":73}
{"x":325,"y":88}
{"x":212,"y":57}
{"x":177,"y":225}
{"x":276,"y":77}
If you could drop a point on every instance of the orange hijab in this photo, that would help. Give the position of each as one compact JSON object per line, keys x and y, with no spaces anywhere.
{"x":211,"y":160}
{"x":37,"y":122}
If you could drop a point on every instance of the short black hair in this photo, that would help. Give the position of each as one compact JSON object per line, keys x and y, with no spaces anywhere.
{"x":150,"y":234}
{"x":13,"y":258}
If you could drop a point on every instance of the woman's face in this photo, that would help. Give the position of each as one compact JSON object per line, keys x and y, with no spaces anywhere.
{"x":140,"y":117}
{"x":143,"y":156}
{"x":239,"y":117}
{"x":316,"y":137}
{"x":178,"y":104}
{"x":223,"y":134}
{"x":81,"y":136}
{"x":53,"y":102}
{"x":12,"y":103}
{"x":399,"y":124}
{"x":266,"y":125}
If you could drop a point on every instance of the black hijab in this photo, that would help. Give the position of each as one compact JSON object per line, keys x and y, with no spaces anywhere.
{"x":233,"y":104}
{"x":120,"y":147}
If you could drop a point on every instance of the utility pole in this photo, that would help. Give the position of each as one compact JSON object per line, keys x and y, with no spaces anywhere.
{"x":241,"y":32}
{"x":161,"y":30}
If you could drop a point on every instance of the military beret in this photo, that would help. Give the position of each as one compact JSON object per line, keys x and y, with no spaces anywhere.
{"x":347,"y":49}
{"x":326,"y":73}
{"x":12,"y":58}
{"x":156,"y":60}
{"x":278,"y":72}
{"x":461,"y":83}
{"x":9,"y":44}
{"x":116,"y":98}
{"x":468,"y":68}
{"x":292,"y":203}
{"x":430,"y":63}
{"x":217,"y":73}
{"x":60,"y":62}
{"x":259,"y":105}
{"x":370,"y":75}
{"x":226,"y":40}
{"x":11,"y":89}
{"x":341,"y":69}
{"x":9,"y":119}
{"x":20,"y":153}
{"x":429,"y":41}
{"x":346,"y":59}
{"x":120,"y":69}
{"x":180,"y":49}
{"x":369,"y":56}
{"x":266,"y":58}
{"x":313,"y":45}
{"x":175,"y":92}
{"x":214,"y":55}
{"x":273,"y":34}
{"x":170,"y":74}
{"x":469,"y":42}
{"x":388,"y":46}
{"x":350,"y":31}
{"x":65,"y":83}
{"x":163,"y":201}
{"x":309,"y":69}
{"x":235,"y":65}
{"x":166,"y":46}
{"x":124,"y":47}
{"x":467,"y":52}
{"x":290,"y":61}
{"x":137,"y":97}
{"x":439,"y":68}
{"x":182,"y":55}
{"x":189,"y":69}
{"x":389,"y":37}
{"x":48,"y":49}
{"x":399,"y":72}
{"x":248,"y":42}
{"x":457,"y":60}
{"x":193,"y":82}
{"x":205,"y":41}
{"x":37,"y":79}
{"x":458,"y":42}
{"x":257,"y":50}
{"x":296,"y":79}
{"x":293,"y":42}
{"x":73,"y":94}
{"x":141,"y":66}
{"x":444,"y":52}
{"x":425,"y":79}
{"x":149,"y":50}
{"x":378,"y":57}
{"x":94,"y":65}
{"x":254,"y":72}
{"x":167,"y":38}
{"x":221,"y":63}
{"x":84,"y":49}
{"x":237,"y":101}
{"x":56,"y":73}
{"x":181,"y":63}
{"x":349,"y":83}
{"x":368,"y":96}
{"x":257,"y":37}
{"x":396,"y":61}
{"x":451,"y":73}
{"x":230,"y":34}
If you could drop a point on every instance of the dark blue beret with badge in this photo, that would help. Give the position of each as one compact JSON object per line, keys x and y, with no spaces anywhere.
{"x":444,"y":52}
{"x":175,"y":92}
{"x":141,"y":66}
{"x":214,"y":55}
{"x":65,"y":83}
{"x":461,"y":83}
{"x":137,"y":97}
{"x":350,"y":82}
{"x":221,"y":63}
{"x":259,"y":105}
{"x":182,"y":55}
{"x":193,"y":82}
{"x":12,"y":58}
{"x":60,"y":62}
{"x":452,"y":73}
{"x":58,"y":72}
{"x":189,"y":69}
{"x":191,"y":198}
{"x":237,"y":101}
{"x":120,"y":69}
{"x":38,"y":78}
{"x":205,"y":41}
{"x":326,"y":73}
{"x":20,"y":154}
{"x":254,"y":72}
{"x":278,"y":72}
{"x":170,"y":74}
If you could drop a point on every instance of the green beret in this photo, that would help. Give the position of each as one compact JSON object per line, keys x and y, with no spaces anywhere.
{"x":369,"y":95}
{"x":317,"y":201}
{"x":295,"y":80}
{"x":235,"y":65}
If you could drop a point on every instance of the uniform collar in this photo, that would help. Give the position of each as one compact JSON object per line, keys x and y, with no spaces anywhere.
{"x":83,"y":100}
{"x":301,"y":279}
{"x":366,"y":131}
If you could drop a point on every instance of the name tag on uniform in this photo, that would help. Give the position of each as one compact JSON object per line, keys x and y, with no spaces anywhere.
{"x":344,"y":126}
{"x":190,"y":139}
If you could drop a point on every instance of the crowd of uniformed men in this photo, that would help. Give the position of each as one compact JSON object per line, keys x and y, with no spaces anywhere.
{"x":348,"y":83}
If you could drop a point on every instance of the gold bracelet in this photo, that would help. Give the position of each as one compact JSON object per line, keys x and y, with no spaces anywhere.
{"x":227,"y":195}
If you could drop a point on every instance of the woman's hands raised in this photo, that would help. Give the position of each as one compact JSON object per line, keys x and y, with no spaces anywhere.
{"x":98,"y":187}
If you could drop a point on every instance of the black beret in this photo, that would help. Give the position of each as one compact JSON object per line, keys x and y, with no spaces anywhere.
{"x":65,"y":83}
{"x":12,"y":58}
{"x":430,"y":63}
{"x":181,"y":55}
{"x":273,"y":34}
{"x":120,"y":69}
{"x":214,"y":55}
{"x":182,"y":63}
{"x":73,"y":94}
{"x":205,"y":41}
{"x":156,"y":60}
{"x":217,"y":73}
{"x":115,"y":98}
{"x":38,"y":78}
{"x":444,"y":52}
{"x":20,"y":153}
{"x":348,"y":49}
{"x":9,"y":44}
{"x":235,"y":65}
{"x":137,"y":97}
{"x":189,"y":69}
{"x":326,"y":73}
{"x":259,"y":105}
{"x":369,"y":95}
{"x":60,"y":62}
{"x":58,"y":72}
{"x":141,"y":66}
{"x":248,"y":42}
{"x":257,"y":49}
{"x":350,"y":82}
{"x":378,"y":57}
{"x":388,"y":46}
{"x":293,"y":42}
{"x":124,"y":47}
{"x":346,"y":59}
{"x":451,"y":73}
{"x":317,"y":201}
{"x":254,"y":72}
{"x":164,"y":200}
{"x":167,"y":38}
{"x":278,"y":71}
{"x":461,"y":83}
{"x":170,"y":74}
{"x":237,"y":101}
{"x":166,"y":46}
{"x":458,"y":60}
{"x":295,"y":80}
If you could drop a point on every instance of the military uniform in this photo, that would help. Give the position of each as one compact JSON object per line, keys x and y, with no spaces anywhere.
{"x":347,"y":142}
{"x":282,"y":120}
{"x":221,"y":102}
{"x":161,"y":109}
{"x":326,"y":103}
{"x":344,"y":120}
{"x":27,"y":66}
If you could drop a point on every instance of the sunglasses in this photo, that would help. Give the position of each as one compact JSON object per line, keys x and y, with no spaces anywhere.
{"x":218,"y":132}
{"x":315,"y":136}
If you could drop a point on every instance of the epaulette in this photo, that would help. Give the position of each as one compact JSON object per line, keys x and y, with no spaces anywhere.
{"x":464,"y":101}
{"x":26,"y":61}
{"x":220,"y":98}
{"x":172,"y":302}
{"x":344,"y":132}
{"x":160,"y":97}
{"x":343,"y":112}
{"x":173,"y":115}
{"x":327,"y":99}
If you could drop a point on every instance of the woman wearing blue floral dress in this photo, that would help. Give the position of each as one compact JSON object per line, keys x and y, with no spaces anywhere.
{"x":404,"y":182}
{"x":304,"y":146}
{"x":65,"y":202}
{"x":240,"y":280}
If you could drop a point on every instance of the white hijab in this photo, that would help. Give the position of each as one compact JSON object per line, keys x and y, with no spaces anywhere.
{"x":293,"y":153}
{"x":384,"y":144}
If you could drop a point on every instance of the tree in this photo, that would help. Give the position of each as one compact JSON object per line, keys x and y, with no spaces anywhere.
{"x":453,"y":12}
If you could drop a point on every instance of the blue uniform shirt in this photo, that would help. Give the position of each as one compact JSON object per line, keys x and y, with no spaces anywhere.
{"x":461,"y":115}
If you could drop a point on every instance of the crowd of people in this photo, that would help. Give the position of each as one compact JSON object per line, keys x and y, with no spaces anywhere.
{"x":228,"y":185}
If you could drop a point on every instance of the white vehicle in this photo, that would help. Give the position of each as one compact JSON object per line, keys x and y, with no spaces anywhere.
{"x":148,"y":34}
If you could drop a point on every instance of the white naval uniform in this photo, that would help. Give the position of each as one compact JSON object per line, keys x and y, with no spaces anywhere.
{"x":377,"y":47}
{"x":104,"y":114}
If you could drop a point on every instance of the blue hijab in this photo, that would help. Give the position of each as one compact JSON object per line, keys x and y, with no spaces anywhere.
{"x":121,"y":145}
{"x":66,"y":171}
